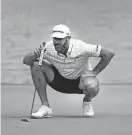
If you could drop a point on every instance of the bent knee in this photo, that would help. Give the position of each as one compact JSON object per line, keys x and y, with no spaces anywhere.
{"x":89,"y":82}
{"x":90,"y":86}
{"x":35,"y":66}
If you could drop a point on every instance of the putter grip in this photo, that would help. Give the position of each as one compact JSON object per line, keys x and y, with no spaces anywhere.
{"x":42,"y":54}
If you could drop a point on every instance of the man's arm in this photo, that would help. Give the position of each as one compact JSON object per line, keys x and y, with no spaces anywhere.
{"x":31,"y":57}
{"x":106,"y":57}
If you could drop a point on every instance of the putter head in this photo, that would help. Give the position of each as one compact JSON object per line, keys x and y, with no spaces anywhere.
{"x":25,"y":120}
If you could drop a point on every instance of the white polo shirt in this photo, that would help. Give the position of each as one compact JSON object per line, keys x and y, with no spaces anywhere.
{"x":76,"y":63}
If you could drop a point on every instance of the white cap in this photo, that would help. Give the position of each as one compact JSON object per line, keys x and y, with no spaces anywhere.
{"x":61,"y":31}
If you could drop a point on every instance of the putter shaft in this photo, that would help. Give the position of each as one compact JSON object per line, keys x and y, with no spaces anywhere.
{"x":26,"y":119}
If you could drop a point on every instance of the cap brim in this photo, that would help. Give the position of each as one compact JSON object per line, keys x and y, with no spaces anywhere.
{"x":58,"y":35}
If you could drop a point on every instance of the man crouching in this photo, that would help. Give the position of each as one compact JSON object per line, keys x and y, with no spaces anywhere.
{"x":67,"y":70}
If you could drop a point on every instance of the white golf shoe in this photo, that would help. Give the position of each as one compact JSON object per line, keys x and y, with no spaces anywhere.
{"x":88,"y":109}
{"x":43,"y":112}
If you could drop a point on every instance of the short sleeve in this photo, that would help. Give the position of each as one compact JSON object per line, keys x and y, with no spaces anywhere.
{"x":92,"y":50}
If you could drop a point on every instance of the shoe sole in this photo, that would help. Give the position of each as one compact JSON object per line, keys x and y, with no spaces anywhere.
{"x":88,"y":116}
{"x":45,"y":116}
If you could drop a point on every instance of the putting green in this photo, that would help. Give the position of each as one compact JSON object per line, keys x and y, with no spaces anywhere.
{"x":113,"y":112}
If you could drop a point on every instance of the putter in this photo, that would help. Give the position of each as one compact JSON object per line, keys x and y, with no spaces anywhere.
{"x":40,"y":63}
{"x":29,"y":119}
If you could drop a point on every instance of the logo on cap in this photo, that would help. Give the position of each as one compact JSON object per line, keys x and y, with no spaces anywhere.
{"x":61,"y":31}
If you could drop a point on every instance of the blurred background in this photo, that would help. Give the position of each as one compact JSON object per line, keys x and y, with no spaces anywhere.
{"x":27,"y":23}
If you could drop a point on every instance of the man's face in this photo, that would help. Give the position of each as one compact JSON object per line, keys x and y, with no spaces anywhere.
{"x":59,"y":43}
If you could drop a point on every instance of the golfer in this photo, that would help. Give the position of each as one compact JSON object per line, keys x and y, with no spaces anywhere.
{"x":66,"y":68}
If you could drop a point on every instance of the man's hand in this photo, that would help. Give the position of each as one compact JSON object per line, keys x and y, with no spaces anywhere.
{"x":37,"y":51}
{"x":106,"y":57}
{"x":31,"y":57}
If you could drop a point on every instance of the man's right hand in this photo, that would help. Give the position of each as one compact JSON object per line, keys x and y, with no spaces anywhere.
{"x":31,"y":57}
{"x":37,"y":51}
